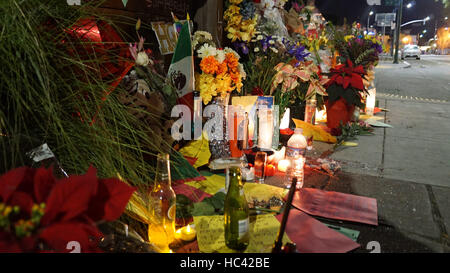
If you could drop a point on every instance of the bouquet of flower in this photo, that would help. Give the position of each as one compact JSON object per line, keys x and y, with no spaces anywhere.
{"x":346,"y":81}
{"x":299,"y":83}
{"x":359,"y":49}
{"x":41,"y":214}
{"x":241,"y":20}
{"x":200,"y":38}
{"x":271,"y":17}
{"x":221,"y":72}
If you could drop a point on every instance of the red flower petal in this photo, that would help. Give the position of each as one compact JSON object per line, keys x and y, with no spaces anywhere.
{"x":58,"y":236}
{"x":10,"y":181}
{"x":23,"y":200}
{"x":70,"y":197}
{"x":346,"y":82}
{"x":357,"y":82}
{"x":43,"y":184}
{"x":110,"y":201}
{"x":8,"y":243}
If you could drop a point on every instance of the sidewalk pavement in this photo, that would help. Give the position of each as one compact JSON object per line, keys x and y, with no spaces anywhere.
{"x":407,"y":169}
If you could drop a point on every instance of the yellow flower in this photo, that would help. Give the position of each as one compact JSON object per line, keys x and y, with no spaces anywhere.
{"x":348,"y":37}
{"x":232,"y":10}
{"x":235,"y":20}
{"x":236,"y":2}
{"x":233,"y":34}
{"x":205,"y":83}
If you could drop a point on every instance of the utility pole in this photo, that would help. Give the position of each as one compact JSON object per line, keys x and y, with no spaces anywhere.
{"x":397,"y":31}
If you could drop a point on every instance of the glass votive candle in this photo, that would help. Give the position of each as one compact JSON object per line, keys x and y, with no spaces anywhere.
{"x":260,"y":165}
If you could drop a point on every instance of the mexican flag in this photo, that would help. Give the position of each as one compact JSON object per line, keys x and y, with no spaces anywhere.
{"x":181,"y":70}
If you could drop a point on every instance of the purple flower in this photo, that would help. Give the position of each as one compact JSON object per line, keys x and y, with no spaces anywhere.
{"x":241,"y":46}
{"x":298,"y":52}
{"x":378,"y":47}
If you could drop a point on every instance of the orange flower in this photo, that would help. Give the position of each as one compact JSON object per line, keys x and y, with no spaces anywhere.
{"x":231,"y":60}
{"x":222,"y":69}
{"x":209,"y":65}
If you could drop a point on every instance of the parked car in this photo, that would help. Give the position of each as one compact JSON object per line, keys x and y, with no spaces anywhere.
{"x":411,"y":51}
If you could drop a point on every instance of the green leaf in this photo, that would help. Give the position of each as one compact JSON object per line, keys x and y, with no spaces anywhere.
{"x":183,"y":200}
{"x":217,"y":200}
{"x":203,"y":209}
{"x":138,"y":23}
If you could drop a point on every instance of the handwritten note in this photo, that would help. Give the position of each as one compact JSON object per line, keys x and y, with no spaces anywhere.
{"x":254,"y":191}
{"x":336,"y":205}
{"x":211,"y":234}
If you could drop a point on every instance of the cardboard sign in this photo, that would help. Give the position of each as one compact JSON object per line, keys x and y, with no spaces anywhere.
{"x":166,"y":35}
{"x":336,"y":205}
{"x":312,"y":236}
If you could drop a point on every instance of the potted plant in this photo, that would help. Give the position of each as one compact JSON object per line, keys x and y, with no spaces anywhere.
{"x":345,"y":88}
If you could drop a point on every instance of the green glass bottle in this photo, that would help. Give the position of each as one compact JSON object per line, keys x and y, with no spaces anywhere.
{"x":237,"y":224}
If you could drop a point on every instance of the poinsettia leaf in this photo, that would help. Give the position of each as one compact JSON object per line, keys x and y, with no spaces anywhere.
{"x":10,"y":181}
{"x":110,"y":201}
{"x":22,"y":200}
{"x":68,"y":236}
{"x":70,"y":197}
{"x":43,"y":184}
{"x":9,"y":243}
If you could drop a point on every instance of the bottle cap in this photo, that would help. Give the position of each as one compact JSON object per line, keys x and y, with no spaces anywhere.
{"x":196,"y":93}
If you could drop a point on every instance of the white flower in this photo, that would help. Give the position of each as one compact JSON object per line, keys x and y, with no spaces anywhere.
{"x":267,"y":4}
{"x":274,"y":49}
{"x":205,"y":34}
{"x":256,"y":49}
{"x":242,"y":71}
{"x":271,"y":42}
{"x":220,"y":56}
{"x":142,"y":59}
{"x":259,"y":38}
{"x":206,"y":50}
{"x":270,"y":14}
{"x":229,"y":50}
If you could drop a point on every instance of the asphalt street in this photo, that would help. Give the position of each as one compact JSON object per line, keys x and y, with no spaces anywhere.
{"x":427,"y":78}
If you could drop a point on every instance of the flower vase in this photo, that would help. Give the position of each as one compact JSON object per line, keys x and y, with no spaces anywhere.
{"x":297,"y":112}
{"x":339,"y":112}
{"x":218,"y":143}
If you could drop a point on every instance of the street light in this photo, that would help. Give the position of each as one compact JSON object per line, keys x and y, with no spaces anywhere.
{"x":409,"y":5}
{"x":424,"y":31}
{"x":368,"y":20}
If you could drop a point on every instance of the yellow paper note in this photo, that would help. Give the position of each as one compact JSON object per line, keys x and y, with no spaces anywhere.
{"x":349,"y":144}
{"x":211,"y":234}
{"x":212,"y":184}
{"x":198,"y":149}
{"x":311,"y":130}
{"x":260,"y":192}
{"x":366,"y":117}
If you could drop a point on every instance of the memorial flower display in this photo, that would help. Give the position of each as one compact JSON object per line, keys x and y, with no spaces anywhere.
{"x":220,"y":72}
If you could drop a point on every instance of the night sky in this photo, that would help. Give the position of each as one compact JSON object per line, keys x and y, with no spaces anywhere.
{"x":358,"y":10}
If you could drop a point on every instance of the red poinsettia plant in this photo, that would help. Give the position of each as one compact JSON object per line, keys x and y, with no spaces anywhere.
{"x":346,"y":81}
{"x":39,"y":213}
